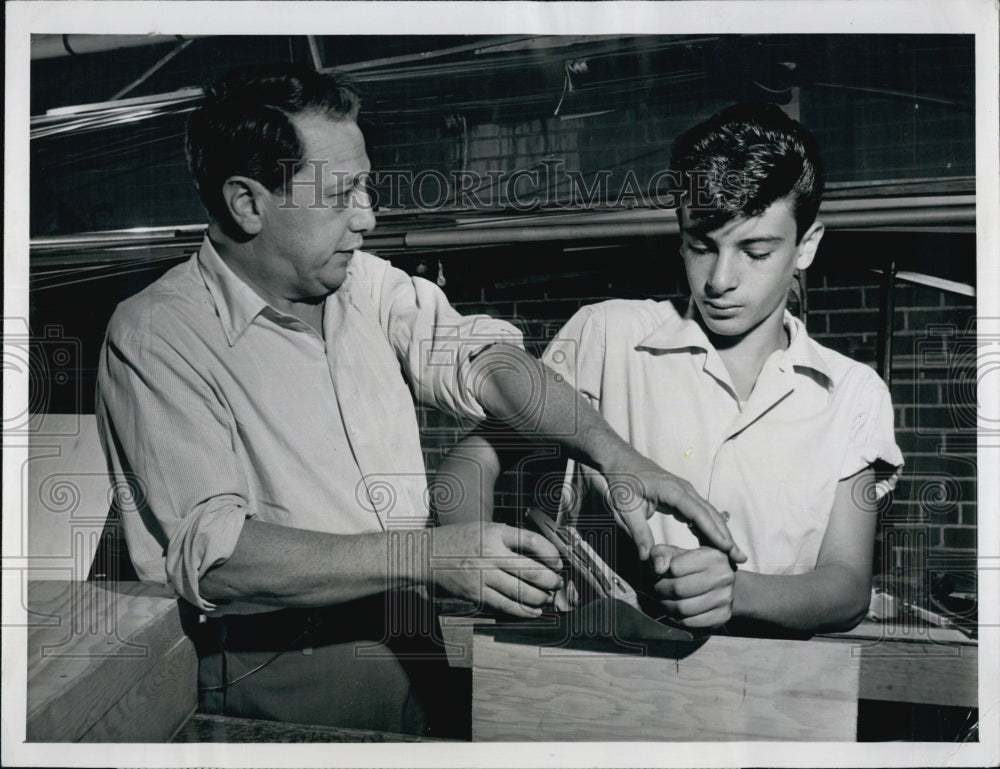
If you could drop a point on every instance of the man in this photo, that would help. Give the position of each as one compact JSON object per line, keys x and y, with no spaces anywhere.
{"x":257,"y":401}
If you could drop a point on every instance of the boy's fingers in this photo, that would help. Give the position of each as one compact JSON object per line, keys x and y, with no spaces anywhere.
{"x":662,"y":555}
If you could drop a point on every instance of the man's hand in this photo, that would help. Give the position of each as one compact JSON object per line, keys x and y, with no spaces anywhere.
{"x":695,"y":586}
{"x":638,"y":487}
{"x":505,"y":568}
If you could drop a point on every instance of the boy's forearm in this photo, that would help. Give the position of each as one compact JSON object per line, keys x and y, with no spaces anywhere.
{"x":832,"y":597}
{"x":463,"y":484}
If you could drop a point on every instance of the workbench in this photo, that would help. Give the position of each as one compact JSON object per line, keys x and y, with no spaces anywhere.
{"x":112,"y":662}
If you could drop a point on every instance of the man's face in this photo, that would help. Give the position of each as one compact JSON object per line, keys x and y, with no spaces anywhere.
{"x":740,"y":273}
{"x":311,"y":229}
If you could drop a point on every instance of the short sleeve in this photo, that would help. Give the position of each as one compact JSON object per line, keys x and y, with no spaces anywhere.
{"x":872,"y":440}
{"x":433,"y":342}
{"x":576,"y":353}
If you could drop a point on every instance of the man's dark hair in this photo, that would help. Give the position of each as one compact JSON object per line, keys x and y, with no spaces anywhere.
{"x":243,"y":126}
{"x":739,"y":162}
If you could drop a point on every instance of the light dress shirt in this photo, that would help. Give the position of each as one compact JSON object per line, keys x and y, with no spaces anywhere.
{"x":773,"y":463}
{"x":214,"y":407}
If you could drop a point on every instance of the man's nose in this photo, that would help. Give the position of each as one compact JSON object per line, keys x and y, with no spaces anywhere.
{"x":363,"y":216}
{"x":724,"y":275}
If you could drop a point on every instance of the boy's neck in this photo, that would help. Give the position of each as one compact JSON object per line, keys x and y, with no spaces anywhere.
{"x":744,"y":356}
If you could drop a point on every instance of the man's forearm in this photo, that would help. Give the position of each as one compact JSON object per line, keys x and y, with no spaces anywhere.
{"x":831,"y":597}
{"x":525,"y":394}
{"x":281,"y":566}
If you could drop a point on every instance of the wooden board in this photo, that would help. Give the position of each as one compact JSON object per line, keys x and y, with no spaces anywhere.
{"x":932,"y":674}
{"x":206,"y":728}
{"x":66,"y":495}
{"x":729,"y":689}
{"x":157,"y":706}
{"x":93,"y":645}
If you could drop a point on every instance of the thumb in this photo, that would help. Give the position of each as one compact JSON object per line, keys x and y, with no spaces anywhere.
{"x":661,"y":556}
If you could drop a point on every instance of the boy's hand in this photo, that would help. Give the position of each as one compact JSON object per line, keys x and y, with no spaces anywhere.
{"x":695,"y":586}
{"x":644,"y":487}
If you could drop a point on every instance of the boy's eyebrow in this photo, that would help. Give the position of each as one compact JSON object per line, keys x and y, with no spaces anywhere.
{"x":766,"y":239}
{"x":761,"y":239}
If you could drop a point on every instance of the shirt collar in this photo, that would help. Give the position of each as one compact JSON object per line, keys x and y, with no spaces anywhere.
{"x":679,"y":333}
{"x":236,"y":303}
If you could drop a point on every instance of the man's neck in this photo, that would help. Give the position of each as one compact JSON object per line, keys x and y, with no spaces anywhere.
{"x":309,"y":311}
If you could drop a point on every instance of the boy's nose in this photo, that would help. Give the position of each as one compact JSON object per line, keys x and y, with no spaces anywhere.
{"x":724,"y":276}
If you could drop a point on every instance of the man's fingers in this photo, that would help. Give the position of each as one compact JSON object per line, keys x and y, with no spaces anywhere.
{"x":638,"y":527}
{"x":526,"y":541}
{"x":497,"y":600}
{"x":533,"y":573}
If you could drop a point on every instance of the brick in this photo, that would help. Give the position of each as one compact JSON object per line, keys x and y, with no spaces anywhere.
{"x":852,"y":345}
{"x":860,"y":321}
{"x":960,"y":302}
{"x":959,"y":537}
{"x":558,"y":310}
{"x":834,"y":299}
{"x":938,"y":418}
{"x":913,"y":295}
{"x":921,"y":320}
{"x":504,"y":310}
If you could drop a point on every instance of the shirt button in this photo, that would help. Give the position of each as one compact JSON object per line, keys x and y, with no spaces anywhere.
{"x":688,"y":452}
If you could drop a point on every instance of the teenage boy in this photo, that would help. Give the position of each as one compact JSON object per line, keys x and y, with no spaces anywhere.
{"x":781,"y":433}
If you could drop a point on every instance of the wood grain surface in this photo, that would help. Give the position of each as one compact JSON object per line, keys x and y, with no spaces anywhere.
{"x":92,"y":645}
{"x":729,"y":689}
{"x":157,"y":706}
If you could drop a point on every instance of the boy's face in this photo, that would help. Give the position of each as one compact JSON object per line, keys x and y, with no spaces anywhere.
{"x":740,"y":272}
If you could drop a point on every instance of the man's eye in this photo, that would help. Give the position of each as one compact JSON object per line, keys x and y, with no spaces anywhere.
{"x":758,"y":254}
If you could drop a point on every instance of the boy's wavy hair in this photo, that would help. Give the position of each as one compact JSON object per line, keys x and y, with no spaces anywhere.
{"x":243,"y":125}
{"x":739,"y":162}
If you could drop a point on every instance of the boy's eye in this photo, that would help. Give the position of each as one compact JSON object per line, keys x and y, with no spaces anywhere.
{"x":758,"y":254}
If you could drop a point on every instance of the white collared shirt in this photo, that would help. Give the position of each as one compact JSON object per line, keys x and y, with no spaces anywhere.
{"x":215,"y":407}
{"x":813,"y":418}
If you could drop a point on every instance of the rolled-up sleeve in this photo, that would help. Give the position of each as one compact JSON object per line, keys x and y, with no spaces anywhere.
{"x":169,"y":443}
{"x":432,"y":341}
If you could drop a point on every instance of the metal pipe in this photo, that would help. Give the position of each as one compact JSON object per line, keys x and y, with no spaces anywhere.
{"x":55,"y":46}
{"x":886,"y":312}
{"x":52,"y":251}
{"x":667,"y":225}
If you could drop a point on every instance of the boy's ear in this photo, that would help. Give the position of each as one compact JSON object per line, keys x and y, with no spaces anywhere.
{"x":243,"y":197}
{"x":808,"y":245}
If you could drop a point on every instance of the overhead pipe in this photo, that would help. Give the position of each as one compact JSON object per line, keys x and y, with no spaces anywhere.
{"x":56,"y":251}
{"x":56,"y":46}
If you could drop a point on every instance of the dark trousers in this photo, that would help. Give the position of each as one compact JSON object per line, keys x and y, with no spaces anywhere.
{"x":372,"y":664}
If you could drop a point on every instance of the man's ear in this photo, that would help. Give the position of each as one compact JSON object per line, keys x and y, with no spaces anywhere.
{"x":243,"y":197}
{"x":808,"y":245}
